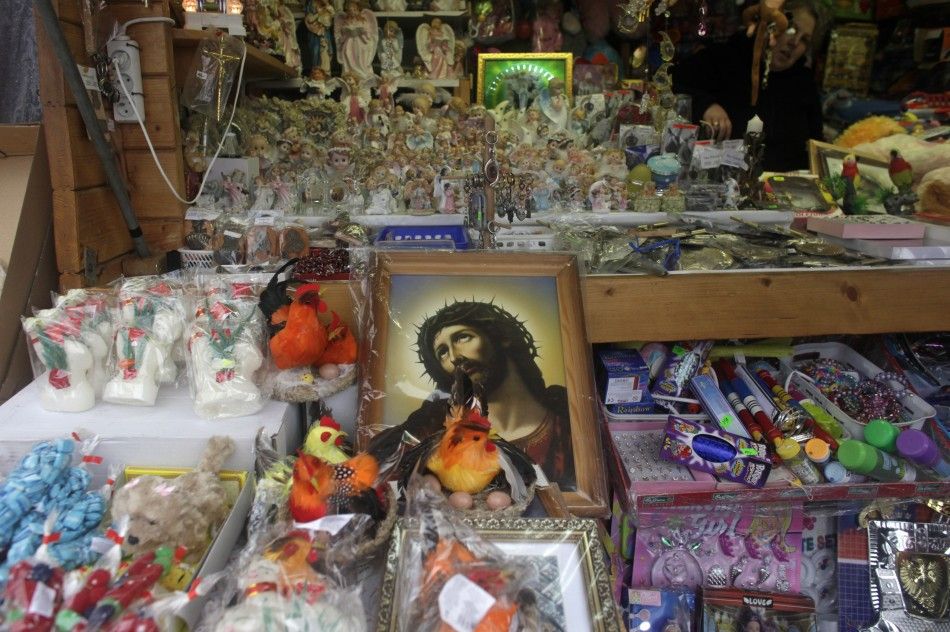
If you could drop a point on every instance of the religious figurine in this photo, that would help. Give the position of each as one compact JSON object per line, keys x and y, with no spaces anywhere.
{"x":263,"y":195}
{"x":194,"y":154}
{"x":258,"y":147}
{"x":417,"y":195}
{"x":380,"y":185}
{"x":233,"y":185}
{"x":356,"y":96}
{"x":554,"y":104}
{"x":390,"y":50}
{"x":458,"y":70}
{"x":395,"y":6}
{"x":731,"y":201}
{"x":288,"y":39}
{"x":356,"y":36}
{"x":436,"y":45}
{"x":546,"y":34}
{"x":419,"y":139}
{"x":447,"y":199}
{"x":318,"y":18}
{"x":338,"y":161}
{"x":285,"y":196}
{"x":599,"y":196}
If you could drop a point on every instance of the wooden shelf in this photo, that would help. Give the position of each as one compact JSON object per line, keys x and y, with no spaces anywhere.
{"x":260,"y":65}
{"x":415,"y":83}
{"x":757,"y":304}
{"x":416,"y":15}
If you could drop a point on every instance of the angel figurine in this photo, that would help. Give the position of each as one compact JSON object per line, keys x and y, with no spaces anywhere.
{"x":356,"y":96}
{"x":436,"y":45}
{"x":397,"y":6}
{"x":554,"y":104}
{"x":319,"y":19}
{"x":356,"y":37}
{"x":390,"y":50}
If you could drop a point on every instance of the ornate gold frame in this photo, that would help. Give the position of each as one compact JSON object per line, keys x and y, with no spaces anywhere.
{"x":485,"y":58}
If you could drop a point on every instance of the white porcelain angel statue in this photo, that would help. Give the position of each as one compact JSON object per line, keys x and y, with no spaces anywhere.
{"x":356,"y":36}
{"x":436,"y":45}
{"x":225,"y":353}
{"x":65,"y":362}
{"x":390,"y":50}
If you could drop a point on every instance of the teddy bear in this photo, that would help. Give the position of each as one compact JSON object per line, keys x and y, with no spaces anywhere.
{"x":182,"y":511}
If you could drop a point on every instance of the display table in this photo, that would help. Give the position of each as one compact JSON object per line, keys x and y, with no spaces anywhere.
{"x":168,"y":434}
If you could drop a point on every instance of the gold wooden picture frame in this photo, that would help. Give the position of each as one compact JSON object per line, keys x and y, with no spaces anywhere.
{"x":493,"y":68}
{"x":824,"y":159}
{"x":525,"y":311}
{"x":581,"y":585}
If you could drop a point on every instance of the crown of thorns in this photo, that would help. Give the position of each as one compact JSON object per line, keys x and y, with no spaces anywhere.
{"x":475,"y":313}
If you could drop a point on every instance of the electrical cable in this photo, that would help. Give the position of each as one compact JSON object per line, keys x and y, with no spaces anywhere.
{"x":141,"y":21}
{"x":148,"y":140}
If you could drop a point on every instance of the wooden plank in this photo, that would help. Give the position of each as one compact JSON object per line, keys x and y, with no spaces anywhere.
{"x":154,"y":40}
{"x":68,"y":11}
{"x":105,"y":273}
{"x":161,"y":117}
{"x":151,"y":198}
{"x":162,"y":236}
{"x":759,"y":304}
{"x":259,"y":65}
{"x":53,"y":88}
{"x":88,"y":219}
{"x":74,"y":164}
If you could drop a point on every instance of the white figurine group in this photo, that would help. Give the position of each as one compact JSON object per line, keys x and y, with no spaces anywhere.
{"x":84,"y":349}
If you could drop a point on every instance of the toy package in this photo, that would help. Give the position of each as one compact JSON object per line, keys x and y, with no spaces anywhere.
{"x":720,"y":548}
{"x":225,"y":350}
{"x":732,"y":610}
{"x":660,"y":610}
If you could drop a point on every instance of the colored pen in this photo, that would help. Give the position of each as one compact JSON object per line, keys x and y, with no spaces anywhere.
{"x":769,"y":430}
{"x":783,"y":399}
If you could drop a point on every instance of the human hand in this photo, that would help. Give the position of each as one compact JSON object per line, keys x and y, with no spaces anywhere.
{"x":718,"y":120}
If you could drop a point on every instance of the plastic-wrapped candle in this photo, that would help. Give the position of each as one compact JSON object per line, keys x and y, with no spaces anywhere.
{"x":754,"y":125}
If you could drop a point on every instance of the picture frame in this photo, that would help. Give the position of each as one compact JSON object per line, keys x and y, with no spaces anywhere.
{"x":581,"y":588}
{"x":595,"y":78}
{"x":825,"y":159}
{"x":413,"y":290}
{"x":494,"y":68}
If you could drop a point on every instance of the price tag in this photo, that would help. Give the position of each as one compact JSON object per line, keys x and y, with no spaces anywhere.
{"x":194,"y":214}
{"x":733,"y":154}
{"x":330,"y":524}
{"x":463,"y":604}
{"x":264,"y":219}
{"x":42,"y":601}
{"x":232,"y":234}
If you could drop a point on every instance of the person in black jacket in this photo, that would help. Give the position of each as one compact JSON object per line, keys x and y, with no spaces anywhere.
{"x":717,"y":78}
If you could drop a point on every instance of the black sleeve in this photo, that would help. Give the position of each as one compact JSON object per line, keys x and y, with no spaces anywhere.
{"x":698,"y":76}
{"x":813,"y":115}
{"x":421,"y":423}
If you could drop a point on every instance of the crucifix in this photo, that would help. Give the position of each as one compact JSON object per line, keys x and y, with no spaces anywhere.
{"x":223,"y":58}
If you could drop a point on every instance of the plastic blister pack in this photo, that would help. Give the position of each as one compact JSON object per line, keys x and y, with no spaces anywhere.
{"x":226,"y":349}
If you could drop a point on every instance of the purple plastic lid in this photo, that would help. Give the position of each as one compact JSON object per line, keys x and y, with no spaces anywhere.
{"x":916,"y":446}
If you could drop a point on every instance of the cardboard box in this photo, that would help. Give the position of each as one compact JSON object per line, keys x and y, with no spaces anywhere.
{"x":624,"y":381}
{"x":26,"y":246}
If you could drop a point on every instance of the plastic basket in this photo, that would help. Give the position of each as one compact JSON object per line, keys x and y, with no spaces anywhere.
{"x":524,"y":240}
{"x":424,"y":237}
{"x":193,"y":259}
{"x":916,"y":410}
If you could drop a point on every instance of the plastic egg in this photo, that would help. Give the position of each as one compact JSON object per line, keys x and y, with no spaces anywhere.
{"x":461,"y":500}
{"x":431,"y":482}
{"x":329,"y":371}
{"x":498,"y":500}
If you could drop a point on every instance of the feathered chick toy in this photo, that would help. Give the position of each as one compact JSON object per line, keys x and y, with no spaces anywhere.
{"x":320,"y":488}
{"x":303,"y":338}
{"x":325,"y":440}
{"x":467,"y":455}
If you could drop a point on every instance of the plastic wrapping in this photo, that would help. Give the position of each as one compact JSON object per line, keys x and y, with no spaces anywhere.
{"x":62,"y":362}
{"x":225,"y":350}
{"x":513,"y":335}
{"x":94,"y":312}
{"x":152,"y":317}
{"x":212,"y":73}
{"x":228,"y":242}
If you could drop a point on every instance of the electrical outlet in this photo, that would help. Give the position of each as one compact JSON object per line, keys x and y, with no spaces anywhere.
{"x":124,"y":58}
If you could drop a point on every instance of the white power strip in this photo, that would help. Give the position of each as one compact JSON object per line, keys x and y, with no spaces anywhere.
{"x":124,"y":54}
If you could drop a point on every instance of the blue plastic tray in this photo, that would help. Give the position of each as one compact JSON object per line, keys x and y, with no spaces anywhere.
{"x":424,"y":237}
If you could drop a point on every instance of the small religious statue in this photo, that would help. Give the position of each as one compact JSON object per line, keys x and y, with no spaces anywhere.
{"x":396,"y":6}
{"x":380,"y":184}
{"x":417,"y":195}
{"x":731,"y":201}
{"x":288,"y":39}
{"x":338,"y":161}
{"x":356,"y":96}
{"x":554,"y":104}
{"x":264,"y":196}
{"x":390,"y":50}
{"x":356,"y":36}
{"x":447,"y":198}
{"x":458,"y":70}
{"x":599,"y":196}
{"x":233,"y":185}
{"x":318,"y":19}
{"x":436,"y":45}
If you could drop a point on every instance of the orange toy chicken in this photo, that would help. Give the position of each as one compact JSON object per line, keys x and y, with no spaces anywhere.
{"x":341,"y":345}
{"x":319,"y":487}
{"x":304,"y":338}
{"x":467,"y":458}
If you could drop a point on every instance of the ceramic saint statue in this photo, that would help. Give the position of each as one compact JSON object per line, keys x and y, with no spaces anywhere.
{"x":356,"y":36}
{"x":390,"y":50}
{"x":436,"y":45}
{"x":66,"y":361}
{"x":318,"y":19}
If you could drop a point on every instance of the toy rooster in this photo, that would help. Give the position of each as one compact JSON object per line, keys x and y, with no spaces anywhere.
{"x":274,"y":298}
{"x":320,"y":488}
{"x":468,"y":455}
{"x":303,"y":338}
{"x":341,"y":344}
{"x":324,"y":441}
{"x":902,"y":175}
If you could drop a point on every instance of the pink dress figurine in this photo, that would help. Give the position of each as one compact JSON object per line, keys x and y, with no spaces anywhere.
{"x":356,"y":36}
{"x":436,"y":45}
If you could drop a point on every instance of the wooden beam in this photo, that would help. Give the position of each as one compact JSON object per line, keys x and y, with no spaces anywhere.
{"x":151,"y":197}
{"x":53,"y":88}
{"x":163,"y":236}
{"x":74,"y":163}
{"x":161,"y":117}
{"x":755,"y":304}
{"x":89,"y":218}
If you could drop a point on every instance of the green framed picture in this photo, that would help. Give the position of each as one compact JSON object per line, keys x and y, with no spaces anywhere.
{"x":520,"y":78}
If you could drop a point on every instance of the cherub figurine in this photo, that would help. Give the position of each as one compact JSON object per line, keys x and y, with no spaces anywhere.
{"x":380,"y":184}
{"x":318,"y":19}
{"x":356,"y":37}
{"x":390,"y":50}
{"x":554,"y":103}
{"x":233,"y":185}
{"x":338,"y":161}
{"x":417,"y":194}
{"x":436,"y":45}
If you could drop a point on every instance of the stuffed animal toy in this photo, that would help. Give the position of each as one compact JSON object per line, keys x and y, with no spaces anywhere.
{"x":182,"y":511}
